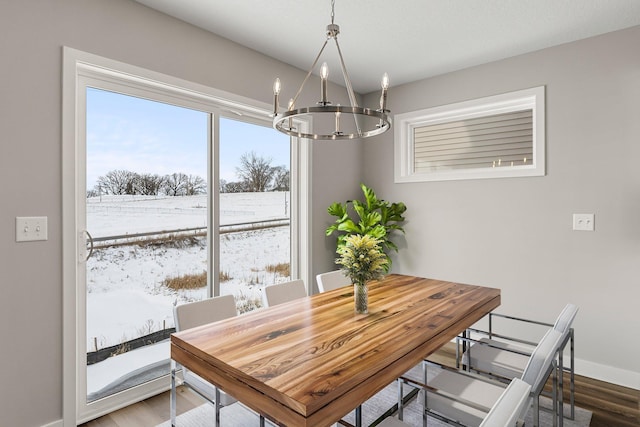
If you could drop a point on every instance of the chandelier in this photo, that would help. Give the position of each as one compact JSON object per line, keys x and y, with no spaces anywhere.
{"x":337,"y":121}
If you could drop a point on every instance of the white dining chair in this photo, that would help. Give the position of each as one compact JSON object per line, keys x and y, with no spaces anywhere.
{"x":283,"y":292}
{"x":483,"y":391}
{"x":191,"y":315}
{"x":508,"y":410}
{"x":466,"y":397}
{"x":332,"y":280}
{"x":506,"y":356}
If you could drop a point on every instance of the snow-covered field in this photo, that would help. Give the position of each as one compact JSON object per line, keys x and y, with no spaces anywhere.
{"x":125,"y":295}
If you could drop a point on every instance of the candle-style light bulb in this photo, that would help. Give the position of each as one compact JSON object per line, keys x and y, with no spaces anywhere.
{"x":337,"y":132}
{"x":276,"y":92}
{"x":324,"y":71}
{"x":385,"y":81}
{"x":324,"y":74}
{"x":383,"y":97}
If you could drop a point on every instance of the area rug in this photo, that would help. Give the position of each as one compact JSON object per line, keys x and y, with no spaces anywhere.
{"x":237,"y":415}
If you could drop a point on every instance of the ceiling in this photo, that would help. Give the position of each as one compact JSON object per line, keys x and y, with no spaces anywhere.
{"x":409,"y":39}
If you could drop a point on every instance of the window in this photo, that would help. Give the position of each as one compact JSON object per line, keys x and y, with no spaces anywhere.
{"x":255,"y":211}
{"x":494,"y":137}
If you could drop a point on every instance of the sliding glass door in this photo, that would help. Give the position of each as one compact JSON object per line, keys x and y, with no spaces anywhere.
{"x":162,"y":205}
{"x":146,"y":215}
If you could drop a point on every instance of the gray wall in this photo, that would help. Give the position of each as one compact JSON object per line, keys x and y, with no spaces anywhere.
{"x":511,"y":233}
{"x":32,"y":34}
{"x":516,"y":233}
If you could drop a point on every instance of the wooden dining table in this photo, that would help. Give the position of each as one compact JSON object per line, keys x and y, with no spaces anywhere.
{"x":311,"y":361}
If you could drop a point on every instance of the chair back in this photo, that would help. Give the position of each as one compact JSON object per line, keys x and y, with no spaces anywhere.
{"x":510,"y":406}
{"x":539,"y":365}
{"x":332,"y":280}
{"x":208,"y":310}
{"x":565,"y":319}
{"x":283,"y":292}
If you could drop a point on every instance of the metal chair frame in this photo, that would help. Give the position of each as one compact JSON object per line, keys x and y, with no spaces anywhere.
{"x":462,"y":341}
{"x":425,"y":387}
{"x":552,"y":365}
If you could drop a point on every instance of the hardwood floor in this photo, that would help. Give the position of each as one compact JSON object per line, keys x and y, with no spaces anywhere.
{"x":612,"y":405}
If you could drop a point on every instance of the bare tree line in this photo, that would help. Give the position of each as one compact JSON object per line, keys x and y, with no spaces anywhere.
{"x":255,"y":174}
{"x":119,"y":181}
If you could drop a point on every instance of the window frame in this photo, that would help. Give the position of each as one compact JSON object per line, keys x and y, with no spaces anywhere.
{"x":406,"y":123}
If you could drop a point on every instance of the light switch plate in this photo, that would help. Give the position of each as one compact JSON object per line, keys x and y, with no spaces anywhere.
{"x":31,"y":228}
{"x":583,"y":222}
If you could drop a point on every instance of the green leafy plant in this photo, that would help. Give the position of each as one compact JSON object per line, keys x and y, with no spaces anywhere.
{"x":373,"y":217}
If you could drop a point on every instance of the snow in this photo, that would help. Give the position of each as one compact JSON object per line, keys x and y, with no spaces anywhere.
{"x":104,"y":373}
{"x":125,"y":295}
{"x":118,"y":215}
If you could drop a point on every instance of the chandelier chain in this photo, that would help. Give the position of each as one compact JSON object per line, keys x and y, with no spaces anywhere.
{"x":333,"y":6}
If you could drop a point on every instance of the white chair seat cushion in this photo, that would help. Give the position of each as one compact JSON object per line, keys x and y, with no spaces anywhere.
{"x":474,"y":390}
{"x":205,"y":388}
{"x":498,"y":361}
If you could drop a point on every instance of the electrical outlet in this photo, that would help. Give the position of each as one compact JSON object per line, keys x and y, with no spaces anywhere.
{"x":583,"y":222}
{"x":31,"y":228}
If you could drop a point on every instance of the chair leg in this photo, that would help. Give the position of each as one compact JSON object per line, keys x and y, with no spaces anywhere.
{"x":560,"y":413}
{"x":425,"y":408}
{"x":466,"y":349}
{"x":572,"y":384}
{"x":400,"y":401}
{"x":172,"y":399}
{"x":554,"y":393}
{"x":261,"y":421}
{"x":359,"y":416}
{"x":217,"y":405}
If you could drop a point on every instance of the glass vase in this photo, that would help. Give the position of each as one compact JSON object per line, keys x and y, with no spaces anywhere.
{"x":361,"y":297}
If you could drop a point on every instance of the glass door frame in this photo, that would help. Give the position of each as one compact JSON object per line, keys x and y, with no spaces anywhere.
{"x":81,"y":70}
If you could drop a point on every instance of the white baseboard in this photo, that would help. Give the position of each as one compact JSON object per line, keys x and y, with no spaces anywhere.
{"x":58,"y":423}
{"x":607,"y":373}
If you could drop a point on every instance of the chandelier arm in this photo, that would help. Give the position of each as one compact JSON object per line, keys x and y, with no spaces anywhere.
{"x":315,"y":62}
{"x":347,"y":82}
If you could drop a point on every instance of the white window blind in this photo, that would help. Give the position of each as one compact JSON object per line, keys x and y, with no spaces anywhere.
{"x":497,"y":140}
{"x":492,"y":137}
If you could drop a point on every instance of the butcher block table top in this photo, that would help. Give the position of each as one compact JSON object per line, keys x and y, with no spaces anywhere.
{"x":311,"y":361}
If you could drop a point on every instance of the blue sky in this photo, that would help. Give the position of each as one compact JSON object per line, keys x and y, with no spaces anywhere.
{"x":143,"y":136}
